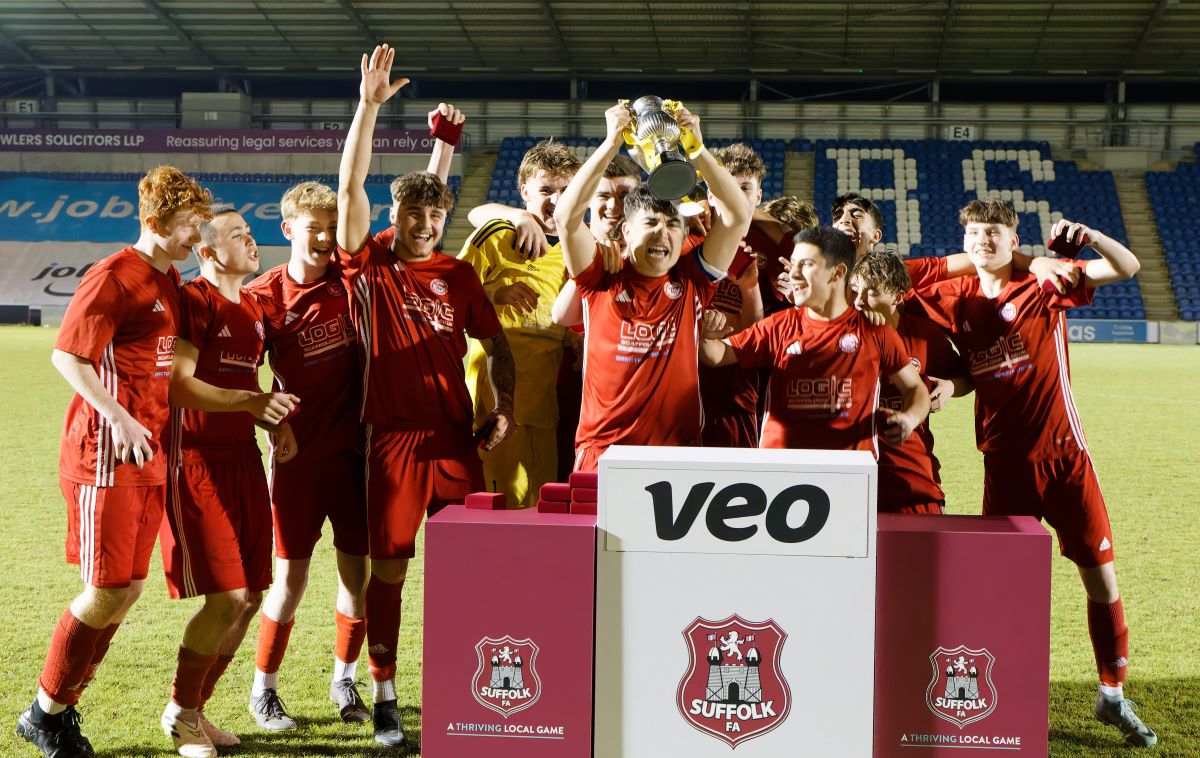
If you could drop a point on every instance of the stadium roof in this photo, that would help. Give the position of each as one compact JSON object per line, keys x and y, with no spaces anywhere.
{"x":595,"y":38}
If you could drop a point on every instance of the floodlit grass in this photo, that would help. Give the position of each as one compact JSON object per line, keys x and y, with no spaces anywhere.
{"x":1138,"y":407}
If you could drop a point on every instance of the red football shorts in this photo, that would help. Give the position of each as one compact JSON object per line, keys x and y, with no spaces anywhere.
{"x":1063,"y":491}
{"x":739,"y":430}
{"x":111,"y":530}
{"x":925,"y":509}
{"x":217,"y":533}
{"x":587,"y":457}
{"x":305,"y":492}
{"x":408,"y":473}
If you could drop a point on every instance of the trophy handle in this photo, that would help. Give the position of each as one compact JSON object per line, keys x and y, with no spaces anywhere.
{"x":691,"y":146}
{"x":632,"y":128}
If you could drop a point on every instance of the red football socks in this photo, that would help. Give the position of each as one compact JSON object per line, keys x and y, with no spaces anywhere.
{"x":1110,"y":640}
{"x":72,"y":648}
{"x":350,"y":635}
{"x":383,"y":627}
{"x":213,"y":676}
{"x":189,"y":677}
{"x":102,"y":643}
{"x":272,"y":644}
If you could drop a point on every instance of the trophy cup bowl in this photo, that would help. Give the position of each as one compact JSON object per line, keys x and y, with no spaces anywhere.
{"x":657,"y":134}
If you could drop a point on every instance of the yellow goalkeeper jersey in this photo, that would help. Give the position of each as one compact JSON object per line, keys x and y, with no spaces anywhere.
{"x":536,"y":341}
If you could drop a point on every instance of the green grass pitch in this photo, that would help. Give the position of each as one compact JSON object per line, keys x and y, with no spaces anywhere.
{"x":1139,"y":409}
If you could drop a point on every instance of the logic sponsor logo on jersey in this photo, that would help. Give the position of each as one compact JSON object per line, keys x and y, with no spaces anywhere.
{"x":734,"y":688}
{"x":436,"y":313}
{"x":961,"y":689}
{"x":727,"y":298}
{"x":646,"y":338}
{"x":1002,"y":358}
{"x":827,"y":395}
{"x":164,"y":351}
{"x":506,"y":679}
{"x":326,"y":336}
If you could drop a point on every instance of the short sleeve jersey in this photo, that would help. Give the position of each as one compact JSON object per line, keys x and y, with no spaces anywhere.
{"x":768,"y":253}
{"x":412,"y":320}
{"x":730,"y":390}
{"x":925,"y":272}
{"x":824,"y":384}
{"x":230,"y":340}
{"x":123,"y":318}
{"x":909,"y":473}
{"x":1015,"y":350}
{"x":535,"y":339}
{"x":313,"y":351}
{"x":640,"y":383}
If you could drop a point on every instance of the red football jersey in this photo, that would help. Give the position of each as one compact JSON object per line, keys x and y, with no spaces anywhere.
{"x":412,"y":320}
{"x":123,"y":318}
{"x":640,"y":354}
{"x":925,"y":272}
{"x":314,"y":355}
{"x":230,"y":339}
{"x":1015,"y":350}
{"x":824,"y":383}
{"x":732,"y":390}
{"x":909,"y":473}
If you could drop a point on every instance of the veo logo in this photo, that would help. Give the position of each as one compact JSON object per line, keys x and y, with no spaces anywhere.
{"x":739,"y":501}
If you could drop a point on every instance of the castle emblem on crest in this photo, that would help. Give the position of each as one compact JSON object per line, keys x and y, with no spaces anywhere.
{"x":506,"y":679}
{"x":734,"y":689}
{"x":961,"y":690}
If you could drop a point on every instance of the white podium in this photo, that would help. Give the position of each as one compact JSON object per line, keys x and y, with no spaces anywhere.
{"x":735,"y":603}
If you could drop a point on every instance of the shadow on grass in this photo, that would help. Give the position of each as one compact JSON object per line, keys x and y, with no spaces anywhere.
{"x":1168,"y":706}
{"x":312,"y":738}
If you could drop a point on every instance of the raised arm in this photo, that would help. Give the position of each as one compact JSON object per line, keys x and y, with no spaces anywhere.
{"x":189,"y":392}
{"x":131,"y":440}
{"x":354,"y":207}
{"x":731,"y":212}
{"x":578,"y":245}
{"x":1116,"y":262}
{"x":443,"y":151}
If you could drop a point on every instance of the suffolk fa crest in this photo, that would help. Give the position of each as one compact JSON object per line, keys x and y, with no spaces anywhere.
{"x":506,"y":680}
{"x":734,"y":689}
{"x":961,"y":690}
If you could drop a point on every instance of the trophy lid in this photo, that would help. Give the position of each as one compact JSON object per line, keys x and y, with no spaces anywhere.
{"x":647,"y":104}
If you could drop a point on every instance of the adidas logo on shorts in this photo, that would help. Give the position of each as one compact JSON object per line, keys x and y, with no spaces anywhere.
{"x":1105,"y":544}
{"x":377,"y":649}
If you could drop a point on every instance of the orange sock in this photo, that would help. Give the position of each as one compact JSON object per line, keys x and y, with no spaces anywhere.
{"x":1110,"y":640}
{"x":350,"y":635}
{"x":383,"y":627}
{"x":102,"y":643}
{"x":189,"y":677}
{"x":272,"y":644}
{"x":213,"y":676}
{"x":72,"y":647}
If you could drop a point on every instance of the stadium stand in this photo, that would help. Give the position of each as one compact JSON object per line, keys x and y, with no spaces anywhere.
{"x":1175,"y":198}
{"x":921,"y":184}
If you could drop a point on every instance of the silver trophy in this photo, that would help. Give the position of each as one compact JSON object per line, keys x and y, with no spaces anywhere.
{"x":654,"y":137}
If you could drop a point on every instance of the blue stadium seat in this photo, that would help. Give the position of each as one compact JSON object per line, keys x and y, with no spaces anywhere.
{"x":1175,"y":199}
{"x":921,"y":184}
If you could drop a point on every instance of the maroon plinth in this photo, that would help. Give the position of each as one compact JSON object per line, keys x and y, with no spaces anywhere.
{"x":962,"y":609}
{"x":509,"y":599}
